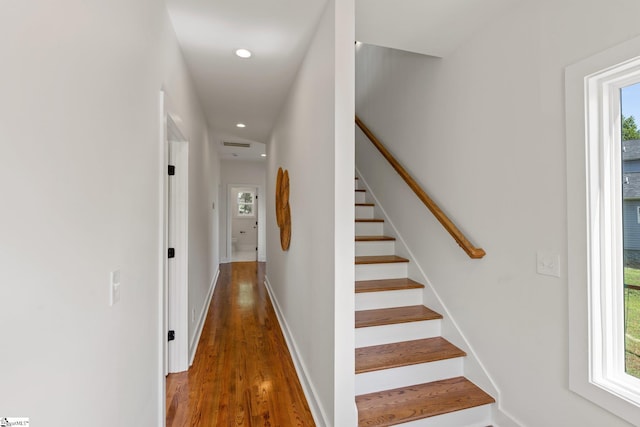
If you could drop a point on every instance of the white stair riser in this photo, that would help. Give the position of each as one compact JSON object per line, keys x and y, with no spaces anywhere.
{"x":384,"y":247}
{"x":393,"y":270}
{"x":388,"y":299}
{"x":357,"y":185}
{"x":360,"y":197}
{"x":386,"y":334}
{"x":480,"y":416}
{"x":387,"y":379}
{"x":369,"y":228}
{"x":364,"y":211}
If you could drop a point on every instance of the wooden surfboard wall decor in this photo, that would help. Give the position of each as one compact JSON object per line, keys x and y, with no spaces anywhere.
{"x":283,"y":210}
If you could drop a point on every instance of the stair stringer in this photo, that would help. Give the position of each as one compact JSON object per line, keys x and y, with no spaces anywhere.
{"x":474,"y":369}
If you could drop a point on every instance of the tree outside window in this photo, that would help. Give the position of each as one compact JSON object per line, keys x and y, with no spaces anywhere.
{"x":245,"y":203}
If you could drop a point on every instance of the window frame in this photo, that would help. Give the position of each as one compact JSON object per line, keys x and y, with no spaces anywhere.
{"x":594,"y":223}
{"x":606,"y":256}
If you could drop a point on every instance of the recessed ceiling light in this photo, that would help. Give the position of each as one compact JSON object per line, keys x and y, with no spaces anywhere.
{"x":263,"y":155}
{"x":241,"y":125}
{"x":243,"y":53}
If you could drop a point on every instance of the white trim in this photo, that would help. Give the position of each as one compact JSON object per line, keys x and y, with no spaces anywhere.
{"x":605,"y":280}
{"x":195,"y":340}
{"x":162,"y":291}
{"x":317,"y":410}
{"x":472,"y":358}
{"x":594,"y":205}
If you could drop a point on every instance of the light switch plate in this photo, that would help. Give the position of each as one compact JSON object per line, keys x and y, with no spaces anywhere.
{"x":548,"y":263}
{"x":114,"y":287}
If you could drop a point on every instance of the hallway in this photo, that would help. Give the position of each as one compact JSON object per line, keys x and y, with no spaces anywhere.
{"x":242,"y":374}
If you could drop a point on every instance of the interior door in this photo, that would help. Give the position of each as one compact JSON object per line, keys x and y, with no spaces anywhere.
{"x":171,"y":244}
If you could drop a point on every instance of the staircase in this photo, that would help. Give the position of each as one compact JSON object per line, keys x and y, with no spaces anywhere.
{"x":406,"y":373}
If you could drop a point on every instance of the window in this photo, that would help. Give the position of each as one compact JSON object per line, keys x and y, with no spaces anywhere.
{"x":245,"y":204}
{"x":604,"y":362}
{"x":630,"y":155}
{"x":606,"y":243}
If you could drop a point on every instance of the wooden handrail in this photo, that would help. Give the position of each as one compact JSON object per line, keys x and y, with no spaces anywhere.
{"x":464,"y":243}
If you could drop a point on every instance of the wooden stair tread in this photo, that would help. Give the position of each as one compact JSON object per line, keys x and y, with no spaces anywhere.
{"x":419,"y":401}
{"x":379,"y":259}
{"x":365,"y":204}
{"x":374,"y":238}
{"x":391,"y":316}
{"x":386,"y":285}
{"x":360,"y":191}
{"x":405,"y":353}
{"x":369,"y":220}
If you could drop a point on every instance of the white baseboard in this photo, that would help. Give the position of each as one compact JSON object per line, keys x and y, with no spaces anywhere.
{"x":193,"y":345}
{"x":501,"y":418}
{"x":319,"y":415}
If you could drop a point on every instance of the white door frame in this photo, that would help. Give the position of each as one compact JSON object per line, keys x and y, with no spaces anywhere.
{"x":260,"y":218}
{"x":173,"y":304}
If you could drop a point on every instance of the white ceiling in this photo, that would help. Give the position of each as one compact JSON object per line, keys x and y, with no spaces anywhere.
{"x":240,"y":153}
{"x":231,"y":89}
{"x":252,"y":91}
{"x":430,"y":27}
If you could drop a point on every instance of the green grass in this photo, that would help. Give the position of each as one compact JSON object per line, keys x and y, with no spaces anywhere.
{"x":631,"y":276}
{"x":632,"y":312}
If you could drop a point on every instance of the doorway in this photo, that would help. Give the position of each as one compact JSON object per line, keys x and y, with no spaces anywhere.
{"x":175,"y":246}
{"x":243,"y":201}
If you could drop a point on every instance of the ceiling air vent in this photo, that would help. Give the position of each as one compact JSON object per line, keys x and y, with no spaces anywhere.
{"x":237,"y":144}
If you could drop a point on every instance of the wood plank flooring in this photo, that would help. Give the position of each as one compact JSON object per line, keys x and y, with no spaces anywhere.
{"x":390,"y":316}
{"x":374,"y":238}
{"x":242,"y":374}
{"x":379,"y":259}
{"x":363,"y":286}
{"x":406,"y":404}
{"x":405,"y":353}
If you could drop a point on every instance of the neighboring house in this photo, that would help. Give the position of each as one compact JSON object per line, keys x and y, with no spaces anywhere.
{"x":631,"y":201}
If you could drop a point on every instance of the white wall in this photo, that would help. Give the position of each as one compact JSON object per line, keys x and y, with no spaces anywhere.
{"x":204,"y":180}
{"x":483,"y":131}
{"x":242,"y":173}
{"x":80,"y":126}
{"x":312,"y":283}
{"x":204,"y":233}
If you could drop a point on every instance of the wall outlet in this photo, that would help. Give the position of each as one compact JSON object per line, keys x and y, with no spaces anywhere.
{"x":548,"y":263}
{"x":114,"y":287}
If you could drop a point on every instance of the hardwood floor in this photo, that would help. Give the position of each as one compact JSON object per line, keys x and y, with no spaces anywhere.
{"x":390,"y":407}
{"x":242,"y":374}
